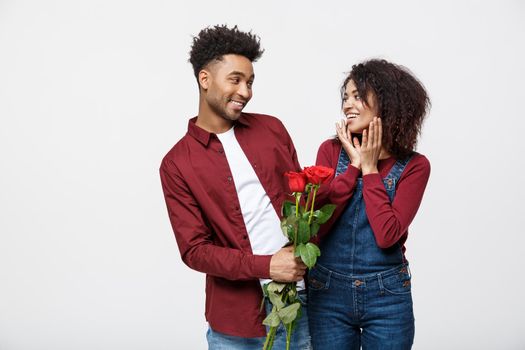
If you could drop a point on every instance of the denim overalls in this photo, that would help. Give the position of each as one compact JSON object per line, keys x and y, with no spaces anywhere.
{"x":359,"y":294}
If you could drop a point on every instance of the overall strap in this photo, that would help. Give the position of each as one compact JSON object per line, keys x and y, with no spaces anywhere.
{"x":342,"y":162}
{"x":398,"y":168}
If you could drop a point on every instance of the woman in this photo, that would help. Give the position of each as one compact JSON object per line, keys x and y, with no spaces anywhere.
{"x":359,"y":291}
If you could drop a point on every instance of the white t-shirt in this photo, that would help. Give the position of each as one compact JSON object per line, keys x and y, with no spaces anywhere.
{"x":261,"y":220}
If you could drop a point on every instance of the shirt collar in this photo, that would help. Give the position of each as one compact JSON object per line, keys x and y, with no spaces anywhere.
{"x":203,"y":136}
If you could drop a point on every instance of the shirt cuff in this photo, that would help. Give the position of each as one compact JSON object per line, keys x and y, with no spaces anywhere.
{"x":372,"y":179}
{"x":261,"y":266}
{"x":351,"y":173}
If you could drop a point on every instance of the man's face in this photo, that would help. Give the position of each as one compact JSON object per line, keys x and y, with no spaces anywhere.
{"x":227,"y":85}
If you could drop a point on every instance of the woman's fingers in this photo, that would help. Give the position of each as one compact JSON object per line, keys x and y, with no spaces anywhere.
{"x":380,"y":133}
{"x":371,"y":134}
{"x":376,"y":132}
{"x":339,"y":128}
{"x":356,"y":144}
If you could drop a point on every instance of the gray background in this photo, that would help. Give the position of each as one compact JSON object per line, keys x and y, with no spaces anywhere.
{"x":94,"y":93}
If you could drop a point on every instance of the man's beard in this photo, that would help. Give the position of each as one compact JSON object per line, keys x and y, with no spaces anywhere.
{"x":220,"y":111}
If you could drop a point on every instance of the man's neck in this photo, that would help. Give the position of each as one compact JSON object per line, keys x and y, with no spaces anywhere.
{"x":211,"y":122}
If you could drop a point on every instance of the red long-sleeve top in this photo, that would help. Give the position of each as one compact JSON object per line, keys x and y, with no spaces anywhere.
{"x":206,"y":217}
{"x":389,"y":221}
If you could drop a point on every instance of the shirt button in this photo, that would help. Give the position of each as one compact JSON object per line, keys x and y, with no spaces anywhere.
{"x":237,"y":208}
{"x":230,"y":178}
{"x":221,"y":151}
{"x":244,"y":237}
{"x":255,"y":165}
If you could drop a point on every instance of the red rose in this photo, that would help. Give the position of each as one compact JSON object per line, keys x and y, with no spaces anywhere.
{"x":318,"y":174}
{"x":296,"y":181}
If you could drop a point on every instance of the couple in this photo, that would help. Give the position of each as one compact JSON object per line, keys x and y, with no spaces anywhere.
{"x":224,"y":185}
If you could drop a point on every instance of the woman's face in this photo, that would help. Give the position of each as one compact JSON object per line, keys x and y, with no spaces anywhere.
{"x":358,"y":115}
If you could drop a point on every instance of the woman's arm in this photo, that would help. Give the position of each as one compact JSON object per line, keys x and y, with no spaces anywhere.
{"x":336,"y":190}
{"x":390,"y":221}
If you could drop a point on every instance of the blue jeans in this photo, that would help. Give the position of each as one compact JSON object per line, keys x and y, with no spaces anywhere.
{"x":371,"y":311}
{"x":300,"y":338}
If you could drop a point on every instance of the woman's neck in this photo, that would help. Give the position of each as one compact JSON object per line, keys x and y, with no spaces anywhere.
{"x":384,"y":154}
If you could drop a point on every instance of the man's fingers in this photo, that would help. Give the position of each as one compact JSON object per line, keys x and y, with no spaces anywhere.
{"x":300,"y":263}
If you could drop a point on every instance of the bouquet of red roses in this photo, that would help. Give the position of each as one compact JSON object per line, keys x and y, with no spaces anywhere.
{"x":299,"y":224}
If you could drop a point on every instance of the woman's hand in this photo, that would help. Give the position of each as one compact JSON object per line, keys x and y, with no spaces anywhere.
{"x":371,"y":146}
{"x":351,"y":147}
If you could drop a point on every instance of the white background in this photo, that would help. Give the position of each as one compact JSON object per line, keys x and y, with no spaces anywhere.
{"x":94,"y":93}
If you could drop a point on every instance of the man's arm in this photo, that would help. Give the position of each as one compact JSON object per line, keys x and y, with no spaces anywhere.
{"x":198,"y":250}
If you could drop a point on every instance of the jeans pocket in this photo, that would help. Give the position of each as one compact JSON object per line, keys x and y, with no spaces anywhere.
{"x":397,"y":284}
{"x":318,"y":279}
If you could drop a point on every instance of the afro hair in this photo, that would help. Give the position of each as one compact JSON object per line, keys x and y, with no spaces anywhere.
{"x":212,"y":43}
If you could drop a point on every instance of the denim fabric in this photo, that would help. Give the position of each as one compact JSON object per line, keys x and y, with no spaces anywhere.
{"x":360,"y":294}
{"x":300,"y":338}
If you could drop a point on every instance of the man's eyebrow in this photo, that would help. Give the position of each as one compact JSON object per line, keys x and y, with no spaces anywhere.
{"x":237,"y":73}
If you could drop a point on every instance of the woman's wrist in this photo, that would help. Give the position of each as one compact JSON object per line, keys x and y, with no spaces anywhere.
{"x":369,"y":170}
{"x":356,"y":165}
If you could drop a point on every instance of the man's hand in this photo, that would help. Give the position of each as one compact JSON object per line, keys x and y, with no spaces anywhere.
{"x":284,"y":267}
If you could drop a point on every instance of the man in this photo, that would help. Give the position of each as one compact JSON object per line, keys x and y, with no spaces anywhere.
{"x":224,"y":186}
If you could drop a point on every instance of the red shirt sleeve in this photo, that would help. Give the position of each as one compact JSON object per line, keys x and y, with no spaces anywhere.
{"x":390,"y":221}
{"x":194,"y":237}
{"x":338,"y":189}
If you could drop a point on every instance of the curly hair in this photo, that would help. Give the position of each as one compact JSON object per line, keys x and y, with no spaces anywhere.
{"x":401,"y":99}
{"x":212,"y":43}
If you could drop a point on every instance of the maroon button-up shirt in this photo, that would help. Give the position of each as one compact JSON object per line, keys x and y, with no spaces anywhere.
{"x":207,"y":221}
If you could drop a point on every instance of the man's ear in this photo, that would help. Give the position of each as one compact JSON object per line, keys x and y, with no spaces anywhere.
{"x":204,"y":79}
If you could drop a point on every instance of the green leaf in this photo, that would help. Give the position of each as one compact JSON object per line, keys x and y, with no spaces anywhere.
{"x":288,"y":208}
{"x":289,"y":313}
{"x":322,"y":215}
{"x":274,"y":291}
{"x":292,"y":220}
{"x":272,"y":320}
{"x":276,"y":287}
{"x":288,"y":226}
{"x":275,"y":299}
{"x":314,"y":248}
{"x":314,"y":228}
{"x":303,"y":231}
{"x":297,"y":251}
{"x":288,"y":230}
{"x":309,"y":253}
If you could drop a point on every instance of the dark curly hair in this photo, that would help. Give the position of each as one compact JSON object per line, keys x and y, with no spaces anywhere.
{"x":401,"y":99}
{"x":212,"y":43}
